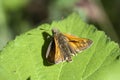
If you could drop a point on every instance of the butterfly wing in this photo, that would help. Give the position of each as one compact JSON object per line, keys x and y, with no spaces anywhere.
{"x":51,"y":52}
{"x":59,"y":57}
{"x":77,"y":44}
{"x":54,"y":54}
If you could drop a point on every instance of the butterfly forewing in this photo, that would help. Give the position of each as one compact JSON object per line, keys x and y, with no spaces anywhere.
{"x":51,"y":52}
{"x":78,"y":44}
{"x":54,"y":54}
{"x":59,"y":57}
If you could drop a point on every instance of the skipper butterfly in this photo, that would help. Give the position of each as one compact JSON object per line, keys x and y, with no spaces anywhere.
{"x":63,"y":46}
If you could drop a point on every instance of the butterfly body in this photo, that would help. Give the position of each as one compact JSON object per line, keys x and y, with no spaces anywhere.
{"x":63,"y":46}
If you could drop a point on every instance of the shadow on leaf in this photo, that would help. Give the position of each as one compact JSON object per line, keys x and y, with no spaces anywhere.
{"x":47,"y":40}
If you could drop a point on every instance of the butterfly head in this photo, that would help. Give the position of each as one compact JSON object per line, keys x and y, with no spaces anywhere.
{"x":55,"y":31}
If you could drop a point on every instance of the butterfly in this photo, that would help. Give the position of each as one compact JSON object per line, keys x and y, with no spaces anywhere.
{"x":63,"y":46}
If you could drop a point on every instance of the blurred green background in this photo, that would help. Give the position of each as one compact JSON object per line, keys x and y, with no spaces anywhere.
{"x":19,"y":16}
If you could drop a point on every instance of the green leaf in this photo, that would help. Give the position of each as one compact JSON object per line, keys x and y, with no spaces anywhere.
{"x":24,"y":57}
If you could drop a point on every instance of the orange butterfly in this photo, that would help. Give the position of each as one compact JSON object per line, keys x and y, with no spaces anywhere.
{"x":63,"y":46}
